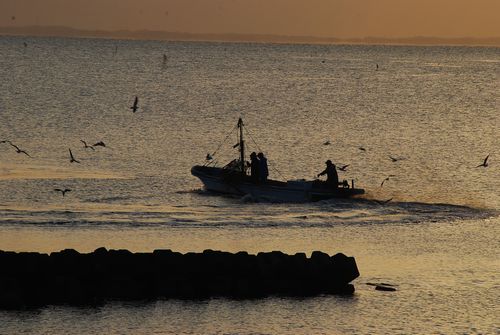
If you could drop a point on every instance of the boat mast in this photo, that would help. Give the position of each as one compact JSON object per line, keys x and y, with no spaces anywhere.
{"x":242,"y":146}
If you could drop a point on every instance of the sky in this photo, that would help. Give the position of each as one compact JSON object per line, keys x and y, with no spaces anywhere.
{"x":322,"y":18}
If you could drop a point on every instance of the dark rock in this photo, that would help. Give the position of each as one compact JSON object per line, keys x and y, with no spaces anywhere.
{"x":100,"y":251}
{"x":33,"y":279}
{"x":320,"y":257}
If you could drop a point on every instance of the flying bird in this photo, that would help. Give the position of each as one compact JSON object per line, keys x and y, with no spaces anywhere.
{"x":361,"y":148}
{"x":134,"y":107}
{"x":87,"y":146}
{"x":72,"y":158}
{"x":485,"y":163}
{"x":395,"y":159}
{"x":377,"y":66}
{"x":342,"y":168}
{"x":18,"y":150}
{"x":99,"y":144}
{"x":386,"y":179}
{"x":63,"y":192}
{"x":327,"y":142}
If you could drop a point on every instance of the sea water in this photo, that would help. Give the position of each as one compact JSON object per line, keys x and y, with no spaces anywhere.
{"x":436,"y":109}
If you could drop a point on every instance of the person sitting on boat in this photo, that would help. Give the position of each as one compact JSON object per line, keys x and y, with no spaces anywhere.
{"x":263,"y":170}
{"x":332,"y":178}
{"x":254,"y":167}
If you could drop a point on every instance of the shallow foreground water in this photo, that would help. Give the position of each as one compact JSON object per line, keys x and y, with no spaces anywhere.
{"x":434,"y":107}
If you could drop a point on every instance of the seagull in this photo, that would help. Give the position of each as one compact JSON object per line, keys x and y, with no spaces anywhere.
{"x":63,"y":192}
{"x":383,"y":202}
{"x":134,"y":108}
{"x":342,"y":168}
{"x":386,"y":179}
{"x":87,"y":146}
{"x":361,"y":148}
{"x":72,"y":158}
{"x":395,"y":159}
{"x":485,"y":163}
{"x":209,"y":157}
{"x":19,"y":151}
{"x":99,"y":144}
{"x":327,"y":142}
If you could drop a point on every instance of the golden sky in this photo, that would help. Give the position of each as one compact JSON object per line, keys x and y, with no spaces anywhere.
{"x":323,"y":18}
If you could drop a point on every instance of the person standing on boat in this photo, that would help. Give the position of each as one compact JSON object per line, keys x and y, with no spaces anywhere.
{"x":254,"y":167}
{"x":332,"y":178}
{"x":263,"y":170}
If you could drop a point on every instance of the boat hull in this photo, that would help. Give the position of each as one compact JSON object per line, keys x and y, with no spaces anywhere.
{"x":228,"y":182}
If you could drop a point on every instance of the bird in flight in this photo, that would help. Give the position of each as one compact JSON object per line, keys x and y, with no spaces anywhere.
{"x":485,"y":163}
{"x":327,"y":142}
{"x":395,"y":159}
{"x":134,"y":107}
{"x":87,"y":146}
{"x":361,"y":148}
{"x":386,"y":179}
{"x":342,"y":168}
{"x":99,"y":144}
{"x":63,"y":192}
{"x":72,"y":158}
{"x":18,"y":150}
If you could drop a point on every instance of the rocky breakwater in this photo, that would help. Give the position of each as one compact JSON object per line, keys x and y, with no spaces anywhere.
{"x":30,"y":279}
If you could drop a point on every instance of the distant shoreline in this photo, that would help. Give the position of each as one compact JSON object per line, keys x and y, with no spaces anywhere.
{"x":60,"y":31}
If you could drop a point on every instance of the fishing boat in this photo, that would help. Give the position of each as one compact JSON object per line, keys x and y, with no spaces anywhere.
{"x":233,"y":179}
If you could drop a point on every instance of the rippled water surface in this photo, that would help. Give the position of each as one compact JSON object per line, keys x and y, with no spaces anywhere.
{"x":437,"y":108}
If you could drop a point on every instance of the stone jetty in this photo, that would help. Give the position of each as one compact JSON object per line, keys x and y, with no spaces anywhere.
{"x":31,"y":279}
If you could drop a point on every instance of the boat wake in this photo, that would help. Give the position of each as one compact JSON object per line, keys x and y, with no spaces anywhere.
{"x":245,"y":212}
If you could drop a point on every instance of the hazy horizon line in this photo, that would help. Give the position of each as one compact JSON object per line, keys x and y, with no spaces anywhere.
{"x":144,"y":34}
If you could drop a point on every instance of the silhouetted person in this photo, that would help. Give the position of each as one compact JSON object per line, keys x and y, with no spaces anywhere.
{"x":263,"y":170}
{"x":332,"y":178}
{"x":254,"y":167}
